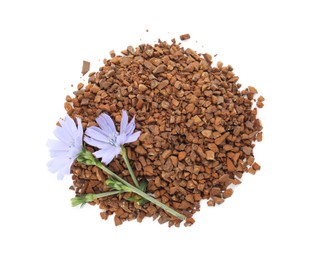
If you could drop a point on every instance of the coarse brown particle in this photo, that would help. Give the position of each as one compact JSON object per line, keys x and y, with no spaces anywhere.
{"x":256,"y":166}
{"x":112,"y":53}
{"x":227,"y":193}
{"x":85,"y":67}
{"x":184,"y":37}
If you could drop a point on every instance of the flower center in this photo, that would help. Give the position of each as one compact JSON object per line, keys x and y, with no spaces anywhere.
{"x":113,"y":139}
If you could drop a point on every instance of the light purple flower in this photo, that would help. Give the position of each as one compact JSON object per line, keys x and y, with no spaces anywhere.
{"x":107,"y":139}
{"x":68,"y":146}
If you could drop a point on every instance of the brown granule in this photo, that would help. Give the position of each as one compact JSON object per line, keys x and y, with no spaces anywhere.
{"x":198,"y":129}
{"x":184,"y":37}
{"x":85,"y":67}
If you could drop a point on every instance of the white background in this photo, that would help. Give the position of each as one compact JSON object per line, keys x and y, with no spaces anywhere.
{"x":272,"y":45}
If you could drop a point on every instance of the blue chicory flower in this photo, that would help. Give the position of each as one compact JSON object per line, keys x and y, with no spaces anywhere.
{"x":68,"y":146}
{"x":107,"y":139}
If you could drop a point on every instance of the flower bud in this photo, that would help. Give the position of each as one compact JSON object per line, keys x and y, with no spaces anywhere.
{"x":77,"y":201}
{"x":86,"y":157}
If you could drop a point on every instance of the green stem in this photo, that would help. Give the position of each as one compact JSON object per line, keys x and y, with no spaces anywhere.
{"x":128,"y":165}
{"x":86,"y":157}
{"x":139,"y":192}
{"x":90,"y":197}
{"x":105,"y":194}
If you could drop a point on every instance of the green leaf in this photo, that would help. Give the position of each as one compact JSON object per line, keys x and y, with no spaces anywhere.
{"x":142,"y":201}
{"x":143,"y":185}
{"x":76,"y":201}
{"x":132,"y":199}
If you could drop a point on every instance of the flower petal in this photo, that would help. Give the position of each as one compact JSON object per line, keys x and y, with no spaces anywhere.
{"x":106,"y":123}
{"x":58,"y":163}
{"x":78,"y":147}
{"x":97,"y":143}
{"x":124,"y":122}
{"x":133,"y":137}
{"x":68,"y":127}
{"x":121,"y":139}
{"x":131,"y":127}
{"x":57,"y":153}
{"x":56,"y":145}
{"x":62,"y":135}
{"x":79,"y":129}
{"x":74,"y":152}
{"x":97,"y":134}
{"x":107,"y":155}
{"x":64,"y":171}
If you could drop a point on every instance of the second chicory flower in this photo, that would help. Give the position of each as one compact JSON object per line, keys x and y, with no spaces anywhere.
{"x":67,"y":148}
